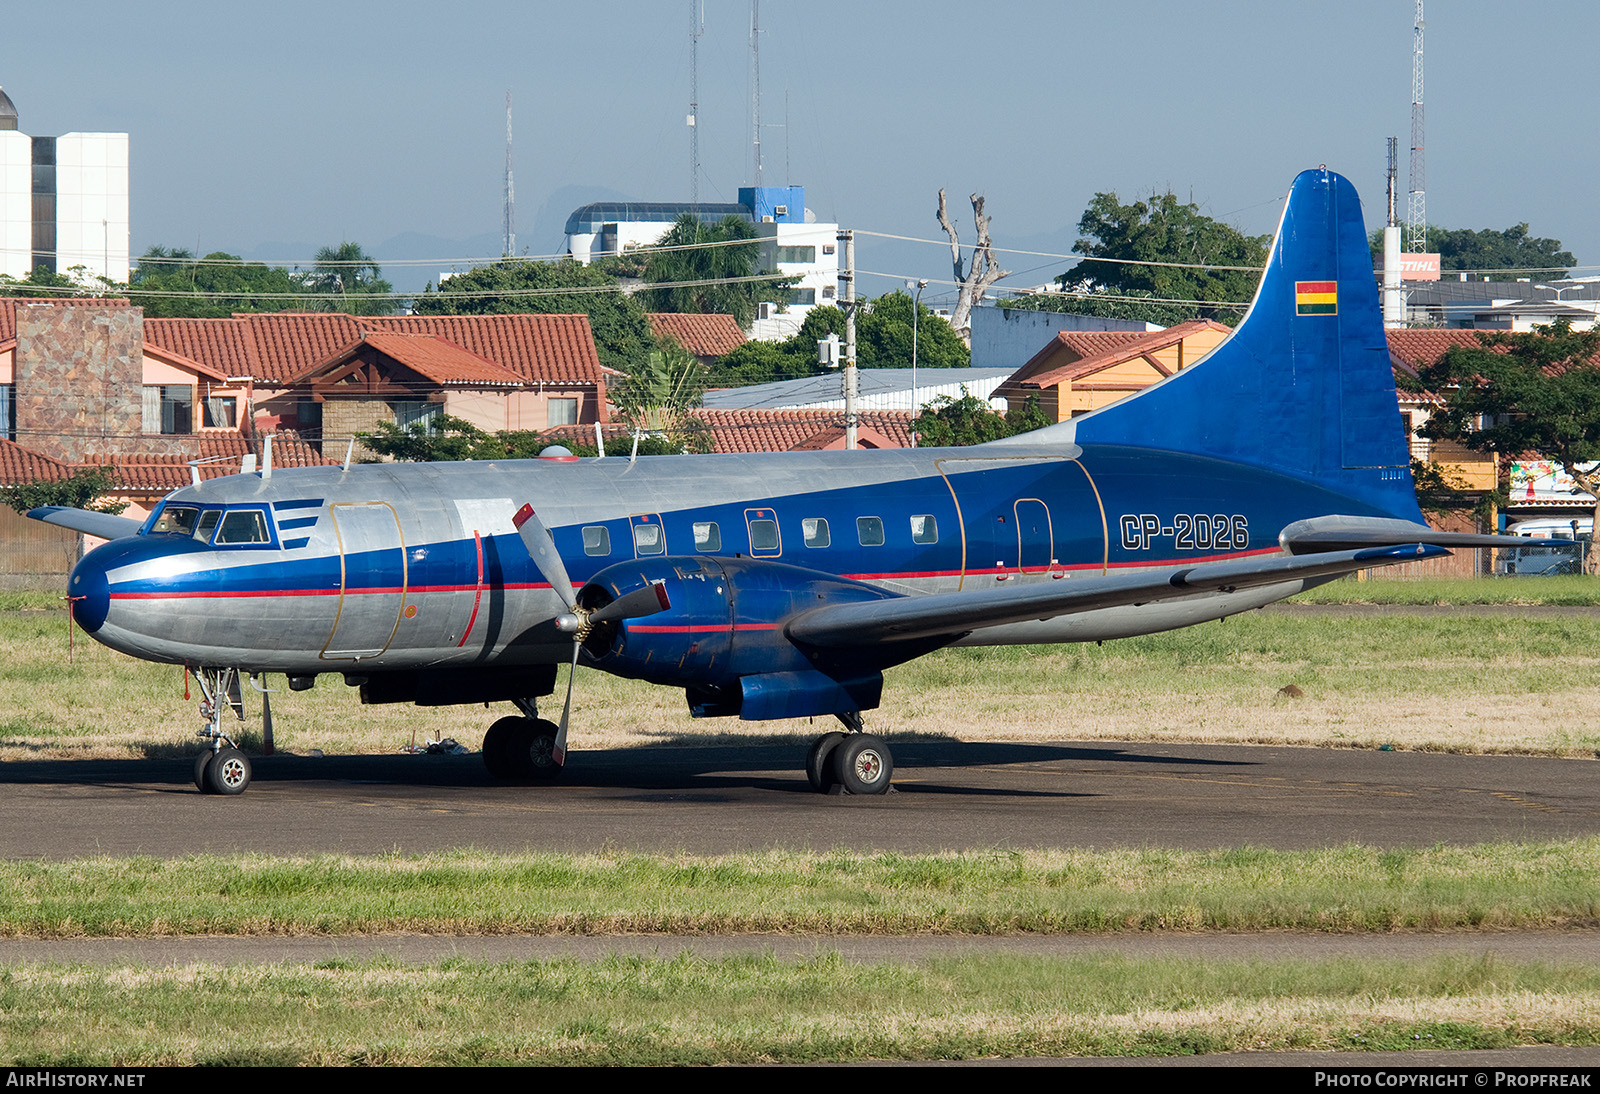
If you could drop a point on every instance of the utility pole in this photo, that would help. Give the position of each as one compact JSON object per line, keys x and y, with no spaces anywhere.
{"x":697,"y":22}
{"x":847,"y":284}
{"x":1393,"y":298}
{"x":510,"y":241}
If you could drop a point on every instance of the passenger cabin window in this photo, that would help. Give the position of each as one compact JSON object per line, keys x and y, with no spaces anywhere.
{"x":707,"y":536}
{"x":244,"y":526}
{"x":815,"y":530}
{"x":596,"y":539}
{"x":869,"y":531}
{"x":924,"y":528}
{"x":647,"y":539}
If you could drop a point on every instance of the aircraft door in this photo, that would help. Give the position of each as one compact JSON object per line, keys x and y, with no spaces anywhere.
{"x":1025,"y":515}
{"x":1035,"y":544}
{"x":372,"y":590}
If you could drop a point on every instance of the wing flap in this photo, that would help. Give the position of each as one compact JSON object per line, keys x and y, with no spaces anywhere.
{"x":911,"y":617}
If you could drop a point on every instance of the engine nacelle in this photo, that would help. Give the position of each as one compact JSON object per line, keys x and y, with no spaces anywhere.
{"x":723,"y":639}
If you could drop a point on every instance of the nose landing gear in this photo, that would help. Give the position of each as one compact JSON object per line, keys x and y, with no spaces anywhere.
{"x":220,"y":768}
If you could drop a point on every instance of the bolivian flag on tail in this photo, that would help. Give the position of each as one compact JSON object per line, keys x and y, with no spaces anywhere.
{"x":1316,"y":298}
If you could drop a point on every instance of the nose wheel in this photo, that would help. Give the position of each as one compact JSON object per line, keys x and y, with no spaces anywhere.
{"x":220,"y":767}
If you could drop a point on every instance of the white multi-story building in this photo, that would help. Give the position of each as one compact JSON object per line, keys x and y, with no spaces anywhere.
{"x":793,"y":243}
{"x":63,"y":201}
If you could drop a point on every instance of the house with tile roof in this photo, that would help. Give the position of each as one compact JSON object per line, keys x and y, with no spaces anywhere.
{"x":516,"y":372}
{"x":1079,"y":371}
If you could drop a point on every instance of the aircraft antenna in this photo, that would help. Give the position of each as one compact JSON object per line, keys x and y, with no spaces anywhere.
{"x":697,"y":27}
{"x":510,"y":242}
{"x":1418,"y":211}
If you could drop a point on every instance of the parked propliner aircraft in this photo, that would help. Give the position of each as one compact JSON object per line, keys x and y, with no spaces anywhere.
{"x":783,"y":585}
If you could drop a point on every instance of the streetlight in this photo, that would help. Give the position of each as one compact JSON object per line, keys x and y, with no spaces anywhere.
{"x":916,"y":323}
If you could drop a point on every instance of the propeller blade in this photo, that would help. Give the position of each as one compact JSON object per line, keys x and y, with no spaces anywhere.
{"x":542,"y":549}
{"x":641,"y":602}
{"x":559,"y":753}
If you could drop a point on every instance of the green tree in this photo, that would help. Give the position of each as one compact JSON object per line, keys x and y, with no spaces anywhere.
{"x":83,"y":489}
{"x":1538,"y":392}
{"x":1164,"y":230}
{"x":1502,"y":252}
{"x":659,"y":393}
{"x":350,"y":281}
{"x":44,"y":282}
{"x":713,"y":264}
{"x":883,"y":340}
{"x":621,"y":333}
{"x":171,"y":283}
{"x":948,"y":422}
{"x":1102,"y":303}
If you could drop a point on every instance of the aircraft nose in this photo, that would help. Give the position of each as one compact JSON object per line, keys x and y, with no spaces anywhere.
{"x":89,"y":592}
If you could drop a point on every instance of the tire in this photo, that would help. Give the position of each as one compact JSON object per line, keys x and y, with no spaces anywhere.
{"x":500,"y":744}
{"x":229,"y":772}
{"x":536,"y":753}
{"x":862,"y":764}
{"x":819,"y":772}
{"x":202,"y":763}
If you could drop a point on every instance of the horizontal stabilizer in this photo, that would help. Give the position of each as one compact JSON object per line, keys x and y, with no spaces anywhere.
{"x":904,"y":618}
{"x":1341,"y":533}
{"x":102,"y":525}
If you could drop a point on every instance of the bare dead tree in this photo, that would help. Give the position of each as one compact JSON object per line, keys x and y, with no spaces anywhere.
{"x":976,"y":276}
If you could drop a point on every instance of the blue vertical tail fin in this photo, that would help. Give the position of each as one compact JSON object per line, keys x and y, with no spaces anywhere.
{"x":1303,"y":385}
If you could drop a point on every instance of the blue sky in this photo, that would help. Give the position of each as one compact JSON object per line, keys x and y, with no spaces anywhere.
{"x":270,"y":130}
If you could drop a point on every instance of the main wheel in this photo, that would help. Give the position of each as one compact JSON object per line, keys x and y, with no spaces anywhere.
{"x":229,"y":772}
{"x":202,"y":763}
{"x":500,"y":746}
{"x":862,"y":764}
{"x":819,"y":772}
{"x":536,"y":751}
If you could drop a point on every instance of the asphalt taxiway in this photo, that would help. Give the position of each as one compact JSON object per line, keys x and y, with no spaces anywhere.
{"x":713,"y":799}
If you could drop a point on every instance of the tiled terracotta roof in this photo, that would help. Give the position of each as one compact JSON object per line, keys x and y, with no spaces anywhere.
{"x":223,"y":344}
{"x":1416,"y":348}
{"x":226,"y":452}
{"x":439,"y":361}
{"x":787,"y":430}
{"x":1106,"y":353}
{"x":8,"y":309}
{"x":18,"y":464}
{"x":701,"y":335}
{"x":761,"y":430}
{"x":549,"y":348}
{"x":272,"y":347}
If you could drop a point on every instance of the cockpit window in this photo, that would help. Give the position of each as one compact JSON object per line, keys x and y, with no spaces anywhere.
{"x":243,"y":526}
{"x":207,"y":525}
{"x":176,"y":520}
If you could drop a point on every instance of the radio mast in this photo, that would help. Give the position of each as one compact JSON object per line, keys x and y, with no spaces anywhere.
{"x":1417,"y":218}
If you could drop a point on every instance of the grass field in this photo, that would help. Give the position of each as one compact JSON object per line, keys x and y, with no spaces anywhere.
{"x":632,"y":1010}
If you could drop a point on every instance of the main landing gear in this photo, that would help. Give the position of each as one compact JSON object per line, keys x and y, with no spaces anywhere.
{"x":522,"y":748}
{"x":852,"y":763}
{"x":220,"y":768}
